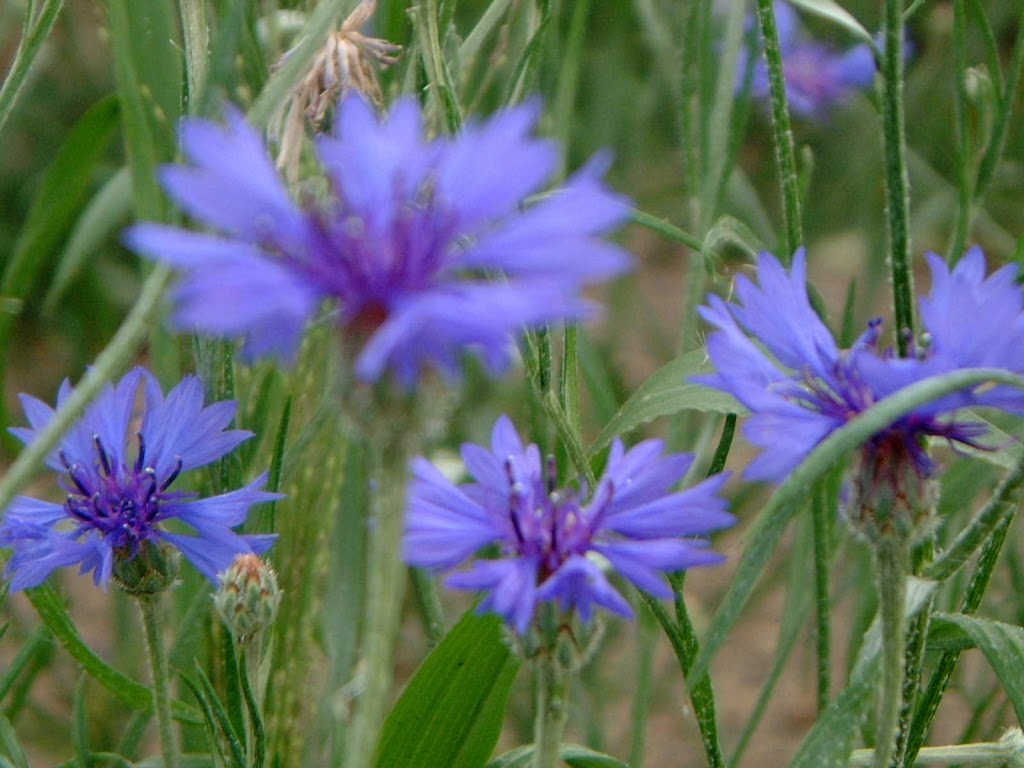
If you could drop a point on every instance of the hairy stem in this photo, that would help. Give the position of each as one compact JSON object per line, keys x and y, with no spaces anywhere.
{"x":150,"y":609}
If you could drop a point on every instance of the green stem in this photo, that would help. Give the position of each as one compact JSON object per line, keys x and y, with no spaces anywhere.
{"x":385,"y":586}
{"x":552,"y":711}
{"x":683,"y":639}
{"x":891,"y":561}
{"x":917,"y":637}
{"x":929,"y":703}
{"x":34,"y":33}
{"x":962,"y":147}
{"x":195,"y":33}
{"x":149,"y":607}
{"x":113,"y":359}
{"x":1002,"y":504}
{"x":1008,"y":751}
{"x":429,"y":603}
{"x":999,"y":132}
{"x":897,"y":184}
{"x":785,"y":153}
{"x":822,"y":520}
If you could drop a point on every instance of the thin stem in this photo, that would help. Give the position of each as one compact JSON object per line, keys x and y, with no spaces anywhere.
{"x":962,"y":147}
{"x":785,"y":153}
{"x":822,"y":519}
{"x":149,"y":607}
{"x":929,"y":702}
{"x":999,"y":131}
{"x":429,"y":603}
{"x":385,"y":588}
{"x":684,"y":644}
{"x":1002,"y":504}
{"x":195,"y":33}
{"x":552,"y":711}
{"x":891,"y":563}
{"x":897,"y":184}
{"x":1008,"y":751}
{"x":35,"y":30}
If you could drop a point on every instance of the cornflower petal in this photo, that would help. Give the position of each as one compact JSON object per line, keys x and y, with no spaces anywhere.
{"x":810,"y":388}
{"x":543,"y":535}
{"x":406,"y":244}
{"x":118,"y":483}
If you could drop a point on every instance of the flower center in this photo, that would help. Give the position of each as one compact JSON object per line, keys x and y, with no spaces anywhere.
{"x":121,"y":503}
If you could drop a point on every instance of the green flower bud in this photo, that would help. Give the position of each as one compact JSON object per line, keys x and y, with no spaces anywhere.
{"x":248,"y":597}
{"x":149,"y":571}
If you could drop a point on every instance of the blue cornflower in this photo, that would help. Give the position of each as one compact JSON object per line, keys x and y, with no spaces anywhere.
{"x":773,"y":353}
{"x":547,"y":538}
{"x":817,"y":76}
{"x":407,"y":242}
{"x":118,"y":479}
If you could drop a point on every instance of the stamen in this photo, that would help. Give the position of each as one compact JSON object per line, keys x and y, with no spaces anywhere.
{"x":515,"y":502}
{"x":104,"y":459}
{"x":173,"y":476}
{"x":550,"y":474}
{"x":140,"y":460}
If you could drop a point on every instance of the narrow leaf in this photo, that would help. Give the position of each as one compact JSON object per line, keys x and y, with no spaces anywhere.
{"x":831,"y":11}
{"x":1003,"y":646}
{"x":830,"y":741}
{"x":452,"y":710}
{"x":767,"y":529}
{"x":668,"y":391}
{"x":573,"y":754}
{"x":135,"y":695}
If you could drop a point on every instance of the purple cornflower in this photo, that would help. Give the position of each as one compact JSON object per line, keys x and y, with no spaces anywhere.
{"x":547,"y":538}
{"x":118,"y":479}
{"x":408,"y":241}
{"x":817,"y":76}
{"x":773,"y":353}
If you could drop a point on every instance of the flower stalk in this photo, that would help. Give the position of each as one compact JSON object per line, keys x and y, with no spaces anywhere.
{"x":891,"y":554}
{"x":552,"y":710}
{"x":152,"y":626}
{"x":897,"y":184}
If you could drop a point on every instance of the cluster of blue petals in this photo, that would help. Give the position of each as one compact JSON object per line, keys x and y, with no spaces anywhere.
{"x":773,"y":353}
{"x":407,"y":243}
{"x":547,"y":539}
{"x":817,"y":76}
{"x":119,"y":480}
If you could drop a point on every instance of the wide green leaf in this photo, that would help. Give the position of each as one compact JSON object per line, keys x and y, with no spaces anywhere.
{"x":830,"y":741}
{"x":1002,"y":644}
{"x":668,"y":391}
{"x":451,"y":711}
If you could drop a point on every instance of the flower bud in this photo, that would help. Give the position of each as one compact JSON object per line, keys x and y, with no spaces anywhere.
{"x":151,"y":569}
{"x":248,"y":597}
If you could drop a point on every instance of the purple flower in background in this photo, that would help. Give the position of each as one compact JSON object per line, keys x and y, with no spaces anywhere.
{"x":773,"y":353}
{"x":407,"y":243}
{"x":547,"y":538}
{"x":817,"y":76}
{"x":118,"y":479}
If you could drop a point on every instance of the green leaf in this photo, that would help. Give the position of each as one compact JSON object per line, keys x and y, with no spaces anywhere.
{"x":59,"y":198}
{"x":830,"y":741}
{"x":573,"y":754}
{"x":1003,"y":646}
{"x":1008,"y":451}
{"x":10,"y":747}
{"x":452,"y":710}
{"x":763,"y":536}
{"x":135,"y":695}
{"x":666,"y":392}
{"x":831,"y":11}
{"x":104,"y":215}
